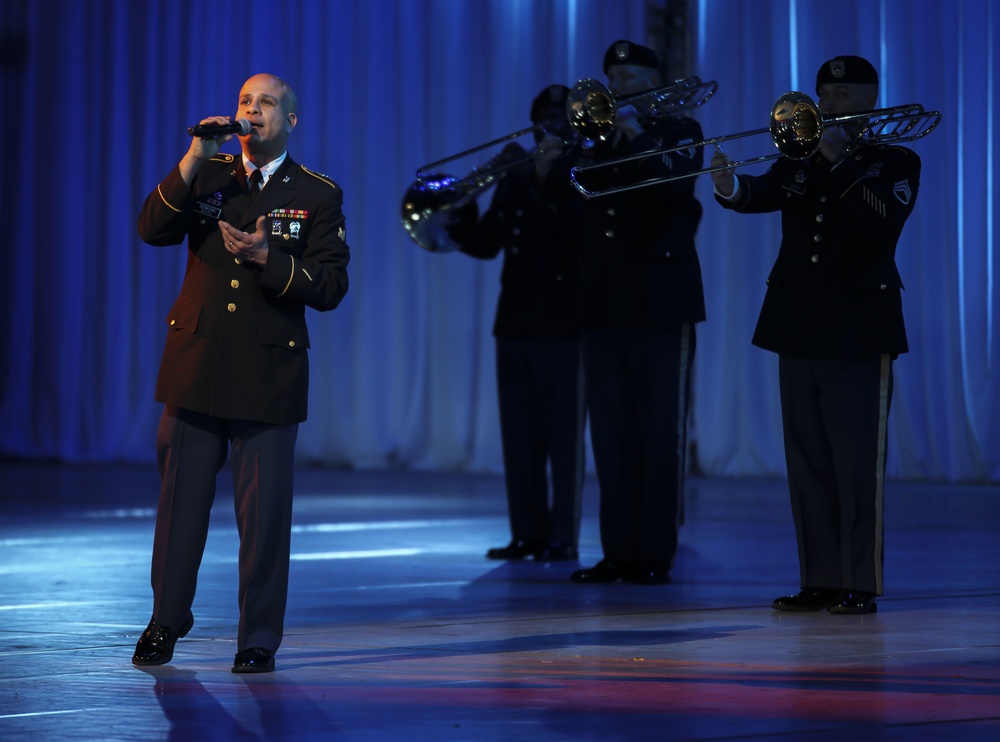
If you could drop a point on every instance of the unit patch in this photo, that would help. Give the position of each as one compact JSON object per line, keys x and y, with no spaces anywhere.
{"x":293,"y":218}
{"x":874,"y":170}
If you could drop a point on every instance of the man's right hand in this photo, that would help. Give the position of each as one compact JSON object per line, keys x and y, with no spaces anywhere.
{"x":202,"y":150}
{"x":724,"y":180}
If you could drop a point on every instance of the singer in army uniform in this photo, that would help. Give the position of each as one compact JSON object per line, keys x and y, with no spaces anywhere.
{"x":265,"y":240}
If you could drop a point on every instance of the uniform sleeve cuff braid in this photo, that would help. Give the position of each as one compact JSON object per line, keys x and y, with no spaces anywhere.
{"x":291,"y":275}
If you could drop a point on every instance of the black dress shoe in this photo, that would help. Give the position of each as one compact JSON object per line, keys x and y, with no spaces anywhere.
{"x":255,"y":659}
{"x":515,"y":550}
{"x":156,"y":645}
{"x":603,"y":571}
{"x":557,"y":553}
{"x":854,"y":602}
{"x":646,"y":576}
{"x":808,"y":599}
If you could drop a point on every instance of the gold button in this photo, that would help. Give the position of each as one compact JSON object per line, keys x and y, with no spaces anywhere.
{"x":237,"y":261}
{"x":231,"y":307}
{"x":173,"y":322}
{"x":234,"y":283}
{"x":291,"y":343}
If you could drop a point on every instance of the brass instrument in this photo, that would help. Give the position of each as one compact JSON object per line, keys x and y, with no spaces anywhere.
{"x":592,"y":107}
{"x":796,"y":129}
{"x":436,"y":202}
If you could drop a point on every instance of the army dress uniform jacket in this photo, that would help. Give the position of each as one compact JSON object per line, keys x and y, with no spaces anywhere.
{"x":237,"y":340}
{"x":537,"y":227}
{"x":834,"y":290}
{"x":640,"y":269}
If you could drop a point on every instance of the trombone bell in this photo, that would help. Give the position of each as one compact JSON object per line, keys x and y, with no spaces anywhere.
{"x":591,"y":109}
{"x":796,"y":126}
{"x":591,"y":106}
{"x":431,"y":206}
{"x":435,"y":203}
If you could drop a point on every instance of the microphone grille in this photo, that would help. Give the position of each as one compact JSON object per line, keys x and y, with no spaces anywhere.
{"x":244,"y":126}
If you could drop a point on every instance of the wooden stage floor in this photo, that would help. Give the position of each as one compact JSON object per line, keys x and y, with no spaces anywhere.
{"x":399,"y":629}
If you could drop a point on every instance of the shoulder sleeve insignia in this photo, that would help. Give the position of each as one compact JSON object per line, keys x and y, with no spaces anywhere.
{"x":223,"y":157}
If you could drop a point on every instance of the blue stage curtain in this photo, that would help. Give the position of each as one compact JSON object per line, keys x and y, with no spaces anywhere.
{"x":99,"y":94}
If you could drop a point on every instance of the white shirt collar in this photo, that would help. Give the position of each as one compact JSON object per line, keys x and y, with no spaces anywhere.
{"x":268,"y":170}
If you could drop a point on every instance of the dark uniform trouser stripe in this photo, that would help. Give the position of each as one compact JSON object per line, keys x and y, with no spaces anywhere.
{"x":883,"y":422}
{"x":581,"y":440}
{"x":682,"y":402}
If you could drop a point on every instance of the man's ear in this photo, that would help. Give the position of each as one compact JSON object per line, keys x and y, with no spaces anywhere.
{"x":291,"y":119}
{"x":872,"y":97}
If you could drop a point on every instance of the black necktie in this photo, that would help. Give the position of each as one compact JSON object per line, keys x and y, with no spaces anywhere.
{"x":255,"y":179}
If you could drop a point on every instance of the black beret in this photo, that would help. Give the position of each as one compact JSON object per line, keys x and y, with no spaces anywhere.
{"x":625,"y":52}
{"x":552,"y":98}
{"x":849,"y":70}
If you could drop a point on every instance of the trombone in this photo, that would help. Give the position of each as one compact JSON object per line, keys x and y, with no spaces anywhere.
{"x":435,"y":201}
{"x":592,"y":107}
{"x":796,"y":128}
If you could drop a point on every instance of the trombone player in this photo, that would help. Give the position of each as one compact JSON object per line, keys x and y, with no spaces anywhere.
{"x":833,"y":314}
{"x":533,"y":220}
{"x":640,"y":297}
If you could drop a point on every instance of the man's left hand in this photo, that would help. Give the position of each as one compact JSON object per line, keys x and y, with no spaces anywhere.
{"x":627,"y":121}
{"x":249,"y":247}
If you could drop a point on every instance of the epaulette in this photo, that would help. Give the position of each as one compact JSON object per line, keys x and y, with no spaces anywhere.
{"x":223,"y":157}
{"x":325,"y":178}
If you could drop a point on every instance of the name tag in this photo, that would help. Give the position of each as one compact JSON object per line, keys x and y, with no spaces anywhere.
{"x":207,"y":210}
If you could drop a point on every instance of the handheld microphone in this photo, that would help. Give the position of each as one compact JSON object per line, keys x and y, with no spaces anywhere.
{"x":210,"y":131}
